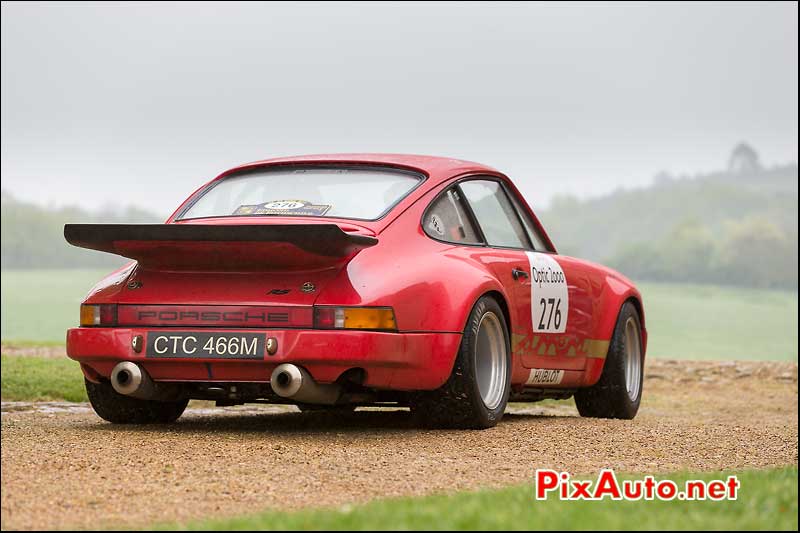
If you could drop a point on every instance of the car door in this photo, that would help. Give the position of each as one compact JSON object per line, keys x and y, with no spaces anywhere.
{"x":561,"y":304}
{"x":549,"y":298}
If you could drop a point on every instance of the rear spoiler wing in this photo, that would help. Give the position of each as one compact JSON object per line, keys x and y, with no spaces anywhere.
{"x":221,"y":247}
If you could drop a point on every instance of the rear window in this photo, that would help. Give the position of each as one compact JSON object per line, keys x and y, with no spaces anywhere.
{"x":360,"y":193}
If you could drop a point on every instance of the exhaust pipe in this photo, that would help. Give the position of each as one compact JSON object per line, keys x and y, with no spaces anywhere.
{"x":295,"y":383}
{"x":132,"y":380}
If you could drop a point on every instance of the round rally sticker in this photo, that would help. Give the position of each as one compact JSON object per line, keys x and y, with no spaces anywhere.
{"x":284,"y":204}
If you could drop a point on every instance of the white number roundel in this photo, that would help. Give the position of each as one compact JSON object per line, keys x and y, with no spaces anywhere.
{"x":549,"y":294}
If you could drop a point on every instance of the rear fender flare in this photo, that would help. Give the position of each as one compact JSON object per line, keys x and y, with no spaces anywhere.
{"x":594,"y":366}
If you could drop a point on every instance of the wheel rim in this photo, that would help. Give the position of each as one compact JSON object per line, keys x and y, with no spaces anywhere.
{"x":491,"y":360}
{"x":633,"y":358}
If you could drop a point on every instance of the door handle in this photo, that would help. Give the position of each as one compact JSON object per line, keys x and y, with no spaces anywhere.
{"x":517,"y":273}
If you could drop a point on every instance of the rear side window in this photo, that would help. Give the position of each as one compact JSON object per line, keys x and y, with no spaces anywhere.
{"x":446,"y":220}
{"x":495,"y":214}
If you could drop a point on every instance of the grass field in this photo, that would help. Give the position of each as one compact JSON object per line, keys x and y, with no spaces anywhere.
{"x":35,"y":378}
{"x":708,"y":322}
{"x":767,"y":500}
{"x":684,"y":321}
{"x":39,"y":305}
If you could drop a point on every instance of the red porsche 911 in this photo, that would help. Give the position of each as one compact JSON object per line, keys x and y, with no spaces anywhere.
{"x":338,"y":281}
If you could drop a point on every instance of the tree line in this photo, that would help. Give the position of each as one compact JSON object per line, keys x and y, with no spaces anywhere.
{"x":33,"y":236}
{"x":722,"y":228}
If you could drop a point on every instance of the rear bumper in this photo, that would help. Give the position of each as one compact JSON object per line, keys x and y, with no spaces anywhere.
{"x":396,"y":361}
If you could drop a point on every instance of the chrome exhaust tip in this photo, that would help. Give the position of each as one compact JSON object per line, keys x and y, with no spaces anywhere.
{"x":295,"y":383}
{"x":132,"y":380}
{"x":286,"y":380}
{"x":126,"y":378}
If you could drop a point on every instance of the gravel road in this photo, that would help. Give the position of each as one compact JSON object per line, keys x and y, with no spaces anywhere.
{"x":64,"y":468}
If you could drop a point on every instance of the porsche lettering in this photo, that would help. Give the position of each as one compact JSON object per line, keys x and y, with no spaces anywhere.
{"x":212,"y":316}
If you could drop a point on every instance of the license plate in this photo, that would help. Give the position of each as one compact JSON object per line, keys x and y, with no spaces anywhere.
{"x":206,"y":345}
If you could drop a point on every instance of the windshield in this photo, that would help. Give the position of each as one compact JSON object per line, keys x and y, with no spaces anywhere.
{"x":360,"y":193}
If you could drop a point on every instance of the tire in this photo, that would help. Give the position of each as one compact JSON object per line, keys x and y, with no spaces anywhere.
{"x":483,"y":364}
{"x":610,"y":397}
{"x":120,"y":409}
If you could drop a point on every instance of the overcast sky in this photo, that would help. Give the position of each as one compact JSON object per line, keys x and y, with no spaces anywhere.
{"x":141,"y":103}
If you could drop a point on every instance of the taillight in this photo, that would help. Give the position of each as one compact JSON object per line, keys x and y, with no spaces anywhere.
{"x":378,"y":318}
{"x":98,"y":315}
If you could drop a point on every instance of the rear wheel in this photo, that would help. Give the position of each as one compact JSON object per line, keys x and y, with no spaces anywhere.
{"x":120,"y":409}
{"x":618,"y":393}
{"x":476,"y":394}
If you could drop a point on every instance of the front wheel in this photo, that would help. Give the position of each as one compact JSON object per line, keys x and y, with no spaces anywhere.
{"x":120,"y":409}
{"x":618,"y":392}
{"x":476,"y":394}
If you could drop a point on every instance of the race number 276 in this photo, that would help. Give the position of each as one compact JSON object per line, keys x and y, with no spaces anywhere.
{"x":550,"y":317}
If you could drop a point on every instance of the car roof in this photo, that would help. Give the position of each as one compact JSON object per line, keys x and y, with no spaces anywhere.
{"x":437,"y":169}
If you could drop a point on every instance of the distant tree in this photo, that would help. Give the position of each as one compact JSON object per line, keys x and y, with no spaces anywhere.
{"x":640,"y":260}
{"x":744,"y":160}
{"x":757,"y":253}
{"x":687,"y":251}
